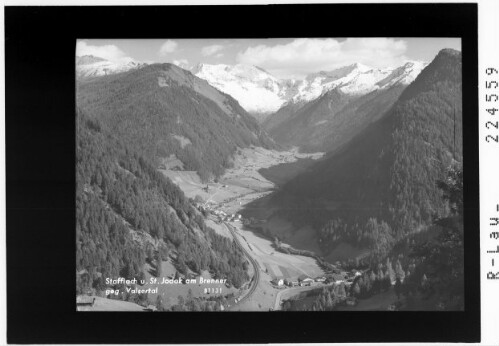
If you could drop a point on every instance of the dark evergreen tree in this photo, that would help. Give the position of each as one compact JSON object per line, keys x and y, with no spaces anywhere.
{"x":120,"y":198}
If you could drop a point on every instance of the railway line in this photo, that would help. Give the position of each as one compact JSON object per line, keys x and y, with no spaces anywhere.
{"x":256,"y":267}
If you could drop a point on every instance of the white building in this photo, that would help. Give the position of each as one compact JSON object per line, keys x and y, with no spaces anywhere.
{"x":279,"y":281}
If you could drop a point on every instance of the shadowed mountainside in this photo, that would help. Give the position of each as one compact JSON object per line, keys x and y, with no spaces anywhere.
{"x":381,"y":185}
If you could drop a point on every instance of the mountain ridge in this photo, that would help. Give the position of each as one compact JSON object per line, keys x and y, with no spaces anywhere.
{"x":260,"y":92}
{"x":89,"y":66}
{"x":163,"y":110}
{"x":385,"y":175}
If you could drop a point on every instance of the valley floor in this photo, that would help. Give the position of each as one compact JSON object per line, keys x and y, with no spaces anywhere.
{"x":239,"y":186}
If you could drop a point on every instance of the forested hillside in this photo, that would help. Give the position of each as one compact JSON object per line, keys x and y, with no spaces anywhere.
{"x":299,"y":126}
{"x":162,"y":110}
{"x":129,"y":213}
{"x":283,"y":115}
{"x":381,"y":186}
{"x":330,"y":121}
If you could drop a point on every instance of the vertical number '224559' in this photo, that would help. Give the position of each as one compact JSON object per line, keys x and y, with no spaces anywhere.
{"x":491,"y":98}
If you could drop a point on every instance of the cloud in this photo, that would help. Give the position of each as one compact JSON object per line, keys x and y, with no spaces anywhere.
{"x":305,"y":55}
{"x":108,"y":52}
{"x":210,"y":50}
{"x":182,"y":63}
{"x":168,"y":47}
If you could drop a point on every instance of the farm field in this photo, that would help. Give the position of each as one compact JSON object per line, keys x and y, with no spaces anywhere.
{"x":276,"y":263}
{"x":262,"y":299}
{"x":240,"y":185}
{"x":244,"y":183}
{"x":272,"y":264}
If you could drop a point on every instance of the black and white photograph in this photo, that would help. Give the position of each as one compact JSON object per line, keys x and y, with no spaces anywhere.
{"x":301,"y":174}
{"x":257,"y":173}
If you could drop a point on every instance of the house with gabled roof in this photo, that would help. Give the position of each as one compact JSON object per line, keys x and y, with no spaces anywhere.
{"x":305,"y":280}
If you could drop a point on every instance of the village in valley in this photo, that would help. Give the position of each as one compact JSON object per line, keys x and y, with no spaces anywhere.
{"x":315,"y":202}
{"x":284,"y":286}
{"x":279,"y":273}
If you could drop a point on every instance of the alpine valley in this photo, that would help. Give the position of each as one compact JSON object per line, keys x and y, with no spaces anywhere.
{"x":238,"y":186}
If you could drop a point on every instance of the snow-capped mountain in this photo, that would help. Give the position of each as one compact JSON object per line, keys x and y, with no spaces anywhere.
{"x":357,"y":79}
{"x":258,"y":91}
{"x":332,"y":107}
{"x":91,"y":66}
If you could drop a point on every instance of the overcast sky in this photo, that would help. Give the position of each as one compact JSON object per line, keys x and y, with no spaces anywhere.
{"x":285,"y":58}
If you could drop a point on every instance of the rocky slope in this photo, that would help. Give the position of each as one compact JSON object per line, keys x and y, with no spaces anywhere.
{"x":88,"y":66}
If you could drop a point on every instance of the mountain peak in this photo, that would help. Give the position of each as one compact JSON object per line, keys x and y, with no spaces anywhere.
{"x":88,"y":59}
{"x":361,"y":67}
{"x":92,"y":66}
{"x":446,"y":66}
{"x":258,"y":91}
{"x":197,"y":68}
{"x":449,"y":52}
{"x":262,"y":69}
